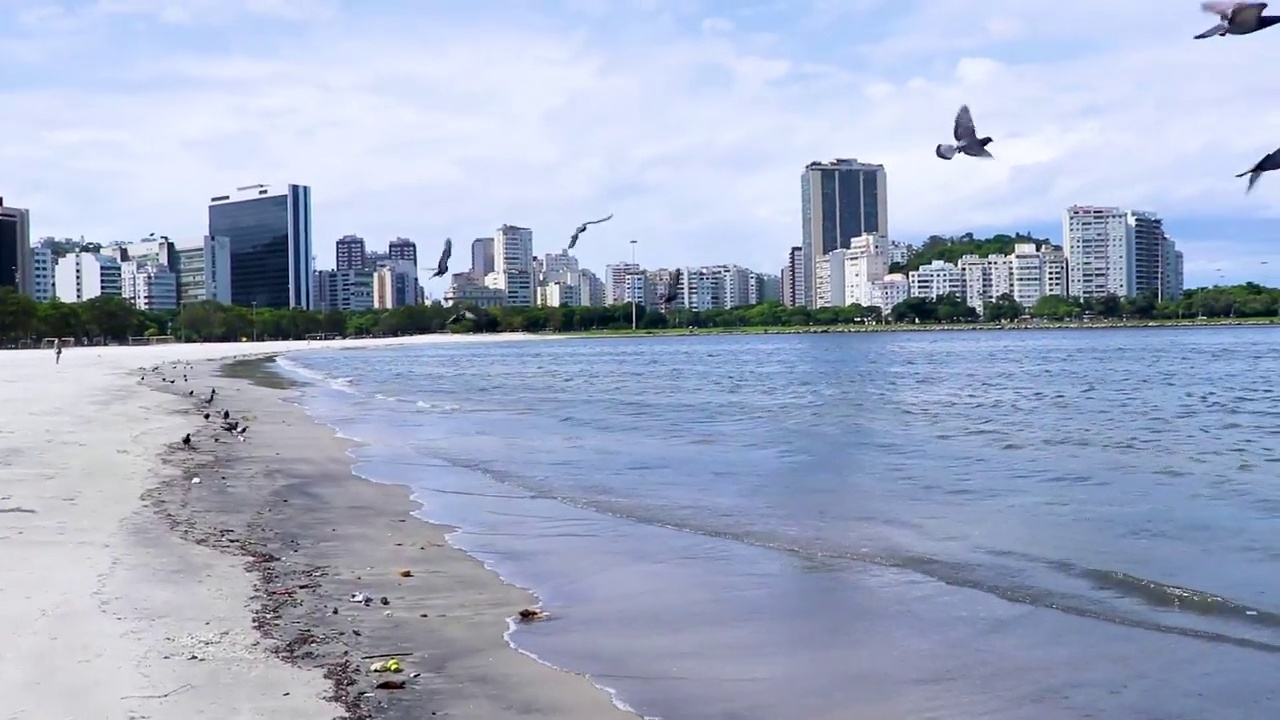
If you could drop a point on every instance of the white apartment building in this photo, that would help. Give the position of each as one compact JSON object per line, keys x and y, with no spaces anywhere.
{"x":739,"y":286}
{"x":703,"y":289}
{"x":83,"y":276}
{"x":1028,"y":274}
{"x":478,"y":295}
{"x":203,"y":269}
{"x":936,"y":279}
{"x":42,"y":267}
{"x":828,"y":280}
{"x":616,"y":279}
{"x":345,"y":290}
{"x":559,"y":262}
{"x":898,"y":252}
{"x":845,"y":277}
{"x":559,"y":294}
{"x":1110,"y":250}
{"x":148,"y":285}
{"x":893,"y":289}
{"x":517,"y":284}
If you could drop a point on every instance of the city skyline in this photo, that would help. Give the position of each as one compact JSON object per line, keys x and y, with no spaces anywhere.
{"x":750,"y":93}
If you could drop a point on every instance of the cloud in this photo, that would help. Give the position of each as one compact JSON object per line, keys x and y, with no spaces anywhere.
{"x":689,"y":120}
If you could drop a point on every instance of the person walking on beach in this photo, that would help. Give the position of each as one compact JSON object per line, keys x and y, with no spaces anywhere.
{"x":57,"y":351}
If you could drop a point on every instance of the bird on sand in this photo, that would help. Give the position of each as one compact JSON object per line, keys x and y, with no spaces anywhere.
{"x":206,"y":416}
{"x":442,"y":267}
{"x":967,"y":140}
{"x":1266,"y":164}
{"x":673,"y":289}
{"x":573,"y":239}
{"x":186,"y":441}
{"x":1238,"y":18}
{"x":226,"y":414}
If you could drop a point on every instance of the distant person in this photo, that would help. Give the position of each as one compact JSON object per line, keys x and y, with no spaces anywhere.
{"x":57,"y":351}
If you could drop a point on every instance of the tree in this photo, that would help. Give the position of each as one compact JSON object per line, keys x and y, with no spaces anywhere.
{"x":17,"y":314}
{"x":1055,"y":307}
{"x":1003,"y":309}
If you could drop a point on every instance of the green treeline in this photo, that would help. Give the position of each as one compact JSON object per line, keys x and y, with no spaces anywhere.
{"x":22,"y":320}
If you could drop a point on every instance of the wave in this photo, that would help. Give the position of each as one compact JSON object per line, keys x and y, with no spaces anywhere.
{"x":988,"y":578}
{"x":343,"y":384}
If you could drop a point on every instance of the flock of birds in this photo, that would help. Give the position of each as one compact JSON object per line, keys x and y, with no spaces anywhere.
{"x":227,"y":423}
{"x":1235,"y":18}
{"x":442,"y":268}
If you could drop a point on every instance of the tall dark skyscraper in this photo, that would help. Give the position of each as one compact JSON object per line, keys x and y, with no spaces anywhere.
{"x":350,"y":253}
{"x":403,"y":249}
{"x":839,"y":200}
{"x":270,"y":236}
{"x":15,"y":249}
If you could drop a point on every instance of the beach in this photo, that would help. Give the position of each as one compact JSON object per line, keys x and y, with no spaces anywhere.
{"x":134,"y":591}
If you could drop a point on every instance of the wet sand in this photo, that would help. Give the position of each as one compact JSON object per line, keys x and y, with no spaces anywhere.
{"x":133,"y":593}
{"x":313,"y":534}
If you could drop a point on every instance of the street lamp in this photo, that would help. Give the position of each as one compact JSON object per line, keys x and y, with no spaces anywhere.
{"x":255,"y":320}
{"x":635,"y":273}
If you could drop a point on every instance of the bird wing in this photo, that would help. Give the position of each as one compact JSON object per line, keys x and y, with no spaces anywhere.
{"x":606,"y":218}
{"x":1248,"y":14}
{"x":964,"y":130}
{"x":1253,"y":180}
{"x":946,"y":152}
{"x":981,"y":152}
{"x":1215,"y":30}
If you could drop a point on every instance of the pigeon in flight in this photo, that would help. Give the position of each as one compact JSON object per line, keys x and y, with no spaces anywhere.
{"x":573,"y":239}
{"x":442,"y":267}
{"x":1238,"y":18}
{"x":1266,"y":164}
{"x":967,"y":140}
{"x":673,"y":289}
{"x":460,"y":316}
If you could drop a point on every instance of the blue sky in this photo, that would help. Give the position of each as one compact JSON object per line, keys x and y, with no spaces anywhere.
{"x":688,"y":119}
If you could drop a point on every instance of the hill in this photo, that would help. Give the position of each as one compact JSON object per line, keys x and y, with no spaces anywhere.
{"x":951,"y":249}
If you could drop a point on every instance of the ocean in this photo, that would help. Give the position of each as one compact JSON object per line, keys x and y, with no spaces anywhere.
{"x":1039,"y":524}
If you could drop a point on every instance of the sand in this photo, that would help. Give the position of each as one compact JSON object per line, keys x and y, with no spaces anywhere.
{"x":131,"y":593}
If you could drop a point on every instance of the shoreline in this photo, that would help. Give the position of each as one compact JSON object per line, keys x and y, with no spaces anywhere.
{"x":314,"y":533}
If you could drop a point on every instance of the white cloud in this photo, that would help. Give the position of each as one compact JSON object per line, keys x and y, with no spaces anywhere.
{"x":691,"y":127}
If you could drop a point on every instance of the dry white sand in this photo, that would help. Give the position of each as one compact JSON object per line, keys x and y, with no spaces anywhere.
{"x":104,"y":613}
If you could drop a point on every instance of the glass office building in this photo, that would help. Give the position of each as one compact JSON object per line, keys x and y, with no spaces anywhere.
{"x":839,"y":200}
{"x":269,"y":233}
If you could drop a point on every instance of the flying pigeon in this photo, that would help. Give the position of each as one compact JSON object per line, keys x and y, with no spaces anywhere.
{"x":1266,"y":164}
{"x":573,"y":239}
{"x":673,"y":288}
{"x":967,"y":140}
{"x":1238,"y":18}
{"x":442,"y":267}
{"x":460,"y":316}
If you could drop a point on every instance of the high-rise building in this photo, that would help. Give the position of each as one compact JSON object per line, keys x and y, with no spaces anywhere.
{"x":839,"y":200}
{"x":395,"y":284}
{"x":42,"y":274}
{"x":590,"y":289}
{"x":350,"y":253}
{"x":149,"y":285}
{"x":15,"y":250}
{"x":271,"y":251}
{"x":513,"y":266}
{"x":934,"y":280}
{"x":1112,"y":251}
{"x":616,"y":281}
{"x":403,"y":249}
{"x":482,"y":261}
{"x":84,"y":276}
{"x":1171,"y":284}
{"x":345,"y":290}
{"x":793,"y":292}
{"x":203,"y":265}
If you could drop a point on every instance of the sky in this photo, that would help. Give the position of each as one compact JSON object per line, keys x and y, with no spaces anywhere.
{"x":690,"y":120}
